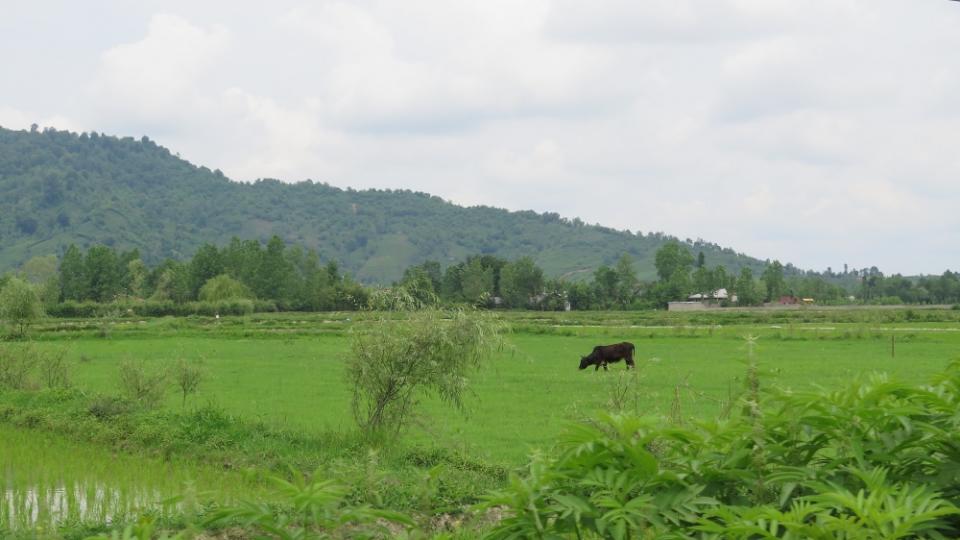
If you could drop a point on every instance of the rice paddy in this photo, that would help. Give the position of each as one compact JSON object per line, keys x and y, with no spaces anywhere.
{"x":286,"y":372}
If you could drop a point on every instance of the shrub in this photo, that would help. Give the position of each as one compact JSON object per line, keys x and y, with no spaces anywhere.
{"x":188,"y":376}
{"x":16,"y":366}
{"x":54,"y":369}
{"x":142,"y":385}
{"x":108,"y":407}
{"x":393,"y":362}
{"x":26,"y":367}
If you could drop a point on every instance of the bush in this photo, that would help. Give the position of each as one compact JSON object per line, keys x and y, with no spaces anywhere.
{"x":16,"y":366}
{"x":25,"y":366}
{"x":54,"y":369}
{"x":428,"y":352}
{"x":108,"y":407}
{"x":142,"y":385}
{"x":188,"y":376}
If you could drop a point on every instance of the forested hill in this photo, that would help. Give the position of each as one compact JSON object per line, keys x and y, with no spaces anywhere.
{"x":58,"y":188}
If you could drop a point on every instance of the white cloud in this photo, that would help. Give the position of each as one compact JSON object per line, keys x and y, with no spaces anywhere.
{"x":818,"y":132}
{"x":152,"y":77}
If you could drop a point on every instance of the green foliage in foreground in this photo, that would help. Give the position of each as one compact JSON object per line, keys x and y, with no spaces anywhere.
{"x":877,"y":459}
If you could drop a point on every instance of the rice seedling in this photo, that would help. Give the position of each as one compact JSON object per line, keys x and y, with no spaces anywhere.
{"x":47,"y":482}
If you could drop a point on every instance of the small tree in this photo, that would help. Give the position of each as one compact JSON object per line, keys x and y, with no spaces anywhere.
{"x":188,"y":376}
{"x":20,"y":304}
{"x":394,"y":362}
{"x":145,"y":386}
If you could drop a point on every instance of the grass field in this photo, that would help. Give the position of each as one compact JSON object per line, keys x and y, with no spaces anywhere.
{"x":287,"y":371}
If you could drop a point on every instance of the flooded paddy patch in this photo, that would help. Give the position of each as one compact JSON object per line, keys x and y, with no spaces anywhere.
{"x":48,"y":482}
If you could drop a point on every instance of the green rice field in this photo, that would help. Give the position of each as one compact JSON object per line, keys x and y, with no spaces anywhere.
{"x":286,"y":373}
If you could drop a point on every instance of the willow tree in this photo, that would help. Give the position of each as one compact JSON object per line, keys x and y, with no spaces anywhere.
{"x":395,"y":362}
{"x":20,"y":304}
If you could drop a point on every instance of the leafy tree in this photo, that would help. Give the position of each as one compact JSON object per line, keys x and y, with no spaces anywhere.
{"x":627,"y":281}
{"x":582,"y":296}
{"x":605,"y":283}
{"x":773,"y":279}
{"x":520,"y":281}
{"x":418,"y":284}
{"x":703,"y":280}
{"x":19,"y":304}
{"x":720,"y":278}
{"x":171,"y":281}
{"x":73,"y":281}
{"x":100,"y":268}
{"x":206,"y":264}
{"x":40,"y":269}
{"x":672,"y":258}
{"x":274,"y":272}
{"x":135,"y":278}
{"x":477,"y":282}
{"x":746,"y":289}
{"x":223,"y":287}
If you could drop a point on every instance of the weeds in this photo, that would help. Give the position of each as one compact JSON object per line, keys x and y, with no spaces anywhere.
{"x":312,"y":508}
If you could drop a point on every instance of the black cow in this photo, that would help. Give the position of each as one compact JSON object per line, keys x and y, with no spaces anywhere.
{"x":608,"y":354}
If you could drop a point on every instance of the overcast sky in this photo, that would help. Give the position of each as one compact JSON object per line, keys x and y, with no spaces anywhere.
{"x":819,"y":132}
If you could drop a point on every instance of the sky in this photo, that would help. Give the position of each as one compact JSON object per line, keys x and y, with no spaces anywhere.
{"x":821,"y":132}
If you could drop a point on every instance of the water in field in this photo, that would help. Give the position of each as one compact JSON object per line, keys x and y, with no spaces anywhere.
{"x":47,"y":481}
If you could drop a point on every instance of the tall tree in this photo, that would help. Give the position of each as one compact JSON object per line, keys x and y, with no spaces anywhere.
{"x":274,"y":271}
{"x":627,"y":281}
{"x":206,"y":264}
{"x":73,"y":282}
{"x":672,"y":258}
{"x":102,"y":274}
{"x":520,"y":281}
{"x":773,"y":279}
{"x":746,"y":289}
{"x":477,"y":281}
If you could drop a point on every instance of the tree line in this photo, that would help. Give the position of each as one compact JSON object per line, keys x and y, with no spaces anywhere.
{"x":290,"y":278}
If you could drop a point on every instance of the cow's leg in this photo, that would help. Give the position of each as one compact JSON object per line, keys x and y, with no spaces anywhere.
{"x":596,"y":367}
{"x":605,"y":367}
{"x":630,"y":363}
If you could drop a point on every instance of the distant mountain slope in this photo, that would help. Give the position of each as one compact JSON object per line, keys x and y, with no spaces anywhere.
{"x":58,"y":188}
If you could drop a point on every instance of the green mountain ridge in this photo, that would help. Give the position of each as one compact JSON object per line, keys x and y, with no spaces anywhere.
{"x":58,"y":188}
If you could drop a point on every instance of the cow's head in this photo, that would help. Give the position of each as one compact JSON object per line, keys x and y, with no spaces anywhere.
{"x":584,"y":362}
